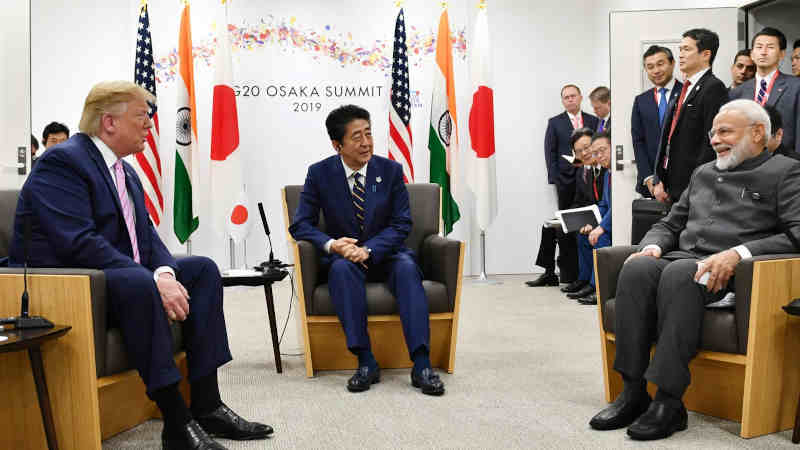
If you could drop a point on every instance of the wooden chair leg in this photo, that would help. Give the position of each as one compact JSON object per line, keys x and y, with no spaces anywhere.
{"x":796,"y":433}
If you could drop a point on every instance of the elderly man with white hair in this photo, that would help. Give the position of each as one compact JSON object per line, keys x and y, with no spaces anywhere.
{"x":746,"y":203}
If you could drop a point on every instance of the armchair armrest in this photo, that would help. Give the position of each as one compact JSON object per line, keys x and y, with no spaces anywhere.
{"x":743,"y":286}
{"x":439,"y":262}
{"x":609,"y":261}
{"x":308,"y":261}
{"x":97,"y":286}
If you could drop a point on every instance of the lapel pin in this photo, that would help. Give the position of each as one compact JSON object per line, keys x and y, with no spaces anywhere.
{"x":378,"y":180}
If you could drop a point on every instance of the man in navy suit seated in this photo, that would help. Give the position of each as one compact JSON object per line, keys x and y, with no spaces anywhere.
{"x":85,"y":207}
{"x":367,"y":217}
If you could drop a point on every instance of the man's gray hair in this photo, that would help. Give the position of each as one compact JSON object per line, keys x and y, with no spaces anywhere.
{"x":752,"y":111}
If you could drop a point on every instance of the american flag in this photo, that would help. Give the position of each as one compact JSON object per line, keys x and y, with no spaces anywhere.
{"x":400,"y":108}
{"x":148,"y":162}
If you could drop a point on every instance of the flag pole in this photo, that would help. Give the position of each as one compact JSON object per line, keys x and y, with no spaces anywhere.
{"x":483,"y":278}
{"x":232,"y":247}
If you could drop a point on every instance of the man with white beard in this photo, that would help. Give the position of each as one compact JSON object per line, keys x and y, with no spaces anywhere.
{"x":745,"y":203}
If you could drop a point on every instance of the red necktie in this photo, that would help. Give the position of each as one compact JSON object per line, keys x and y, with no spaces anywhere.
{"x":679,"y":108}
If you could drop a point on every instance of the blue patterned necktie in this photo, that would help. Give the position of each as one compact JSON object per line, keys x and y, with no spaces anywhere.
{"x":359,"y":194}
{"x":602,"y":126}
{"x":762,"y":92}
{"x":662,"y":106}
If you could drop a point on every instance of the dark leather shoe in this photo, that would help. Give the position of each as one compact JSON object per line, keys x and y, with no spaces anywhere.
{"x":546,"y":279}
{"x":621,"y":413}
{"x":190,"y":437}
{"x":583,"y":292}
{"x":658,"y":422}
{"x":793,"y":307}
{"x":363,"y":379}
{"x":225,"y":423}
{"x":575,"y":286}
{"x":588,"y":300}
{"x":429,"y":381}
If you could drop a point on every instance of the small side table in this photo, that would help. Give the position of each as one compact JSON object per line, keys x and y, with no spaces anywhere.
{"x":32,"y":340}
{"x":263,"y":279}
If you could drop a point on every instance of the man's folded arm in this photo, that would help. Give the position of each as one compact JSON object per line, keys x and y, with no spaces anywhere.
{"x":304,"y":226}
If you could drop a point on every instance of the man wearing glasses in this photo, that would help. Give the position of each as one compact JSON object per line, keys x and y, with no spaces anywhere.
{"x":745,"y":203}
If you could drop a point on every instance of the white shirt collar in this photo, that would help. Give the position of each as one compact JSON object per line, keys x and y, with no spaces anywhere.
{"x":669,"y":86}
{"x":574,"y":116}
{"x":696,"y":77}
{"x":768,"y":78}
{"x":108,"y":156}
{"x":348,"y":172}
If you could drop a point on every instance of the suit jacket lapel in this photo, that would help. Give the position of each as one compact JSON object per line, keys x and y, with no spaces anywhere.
{"x":94,"y":153}
{"x":344,"y":192}
{"x":139,"y":210}
{"x":694,"y":91}
{"x":372,"y":188}
{"x":777,"y":89}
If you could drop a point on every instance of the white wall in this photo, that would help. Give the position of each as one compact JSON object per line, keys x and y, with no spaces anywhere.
{"x":536,"y":51}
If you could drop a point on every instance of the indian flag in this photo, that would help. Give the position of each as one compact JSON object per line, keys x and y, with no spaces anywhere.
{"x":185,"y":222}
{"x":443,"y":133}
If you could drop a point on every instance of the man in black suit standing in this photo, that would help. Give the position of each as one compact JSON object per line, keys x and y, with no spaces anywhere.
{"x":557,"y":142}
{"x":771,"y":87}
{"x":684,"y":143}
{"x":600,"y":98}
{"x":650,"y":111}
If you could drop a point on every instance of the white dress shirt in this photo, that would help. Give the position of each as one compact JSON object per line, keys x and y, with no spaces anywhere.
{"x":110,"y":159}
{"x":768,"y":79}
{"x":694,"y":79}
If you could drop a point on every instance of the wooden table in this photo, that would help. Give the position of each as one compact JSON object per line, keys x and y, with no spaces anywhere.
{"x":32,"y":340}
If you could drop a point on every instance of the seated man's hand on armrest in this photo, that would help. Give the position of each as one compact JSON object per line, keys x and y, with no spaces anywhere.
{"x":720,"y":267}
{"x":650,"y":250}
{"x":174,"y":297}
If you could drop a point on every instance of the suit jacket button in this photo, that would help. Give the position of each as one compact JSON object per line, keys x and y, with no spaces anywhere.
{"x":719,"y":180}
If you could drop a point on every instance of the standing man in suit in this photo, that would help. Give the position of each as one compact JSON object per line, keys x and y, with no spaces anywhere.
{"x":365,"y":204}
{"x":742,"y":69}
{"x":684,"y":143}
{"x":773,"y":87}
{"x":650,"y":112}
{"x":561,"y":173}
{"x":796,"y":59}
{"x":85,"y":207}
{"x":600,"y":98}
{"x":744,"y":204}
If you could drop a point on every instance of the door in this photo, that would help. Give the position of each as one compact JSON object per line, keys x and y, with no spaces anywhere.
{"x":15,"y":111}
{"x":631,"y":33}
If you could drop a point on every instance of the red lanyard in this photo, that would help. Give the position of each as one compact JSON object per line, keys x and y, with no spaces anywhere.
{"x":769,"y":89}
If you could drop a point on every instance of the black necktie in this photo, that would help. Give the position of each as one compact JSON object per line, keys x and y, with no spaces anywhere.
{"x":358,"y":199}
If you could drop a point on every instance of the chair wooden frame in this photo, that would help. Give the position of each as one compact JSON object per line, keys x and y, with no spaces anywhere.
{"x":757,"y":389}
{"x":86,"y":409}
{"x":325,"y":345}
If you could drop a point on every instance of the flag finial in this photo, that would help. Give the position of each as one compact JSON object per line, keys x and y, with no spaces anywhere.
{"x":142,"y":3}
{"x":399,"y":3}
{"x":482,"y":4}
{"x":444,"y":4}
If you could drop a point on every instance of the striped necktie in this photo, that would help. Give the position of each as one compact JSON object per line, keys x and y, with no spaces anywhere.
{"x":762,"y":92}
{"x":127,"y":208}
{"x":359,"y":194}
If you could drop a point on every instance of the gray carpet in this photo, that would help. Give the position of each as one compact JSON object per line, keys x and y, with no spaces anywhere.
{"x":527,"y":375}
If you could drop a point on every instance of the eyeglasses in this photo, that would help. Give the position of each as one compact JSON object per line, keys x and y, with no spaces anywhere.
{"x":724,"y":132}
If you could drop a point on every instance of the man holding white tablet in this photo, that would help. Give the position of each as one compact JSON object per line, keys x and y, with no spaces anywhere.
{"x":745,"y":203}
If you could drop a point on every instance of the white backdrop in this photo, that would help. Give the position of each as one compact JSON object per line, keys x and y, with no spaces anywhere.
{"x":535,"y":51}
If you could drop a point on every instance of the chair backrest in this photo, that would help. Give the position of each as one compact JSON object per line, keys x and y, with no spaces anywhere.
{"x":423,"y":199}
{"x":8,"y":208}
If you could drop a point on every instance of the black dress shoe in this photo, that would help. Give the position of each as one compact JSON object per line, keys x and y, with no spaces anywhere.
{"x":546,"y":279}
{"x":225,"y":423}
{"x":583,"y":292}
{"x":659,"y":421}
{"x":621,"y":413}
{"x":575,"y":286}
{"x":190,"y":437}
{"x":363,"y":379}
{"x":588,"y":300}
{"x":793,"y":307}
{"x":429,"y":381}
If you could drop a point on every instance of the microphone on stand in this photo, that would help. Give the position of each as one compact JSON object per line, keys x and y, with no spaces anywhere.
{"x":25,"y":320}
{"x":266,"y":230}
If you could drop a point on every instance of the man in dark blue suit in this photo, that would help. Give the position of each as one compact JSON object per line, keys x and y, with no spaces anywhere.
{"x":85,"y":207}
{"x":649,"y":112}
{"x":367,"y":217}
{"x":558,"y":143}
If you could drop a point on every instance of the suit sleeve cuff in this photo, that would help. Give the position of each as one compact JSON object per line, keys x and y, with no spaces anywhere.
{"x":163,"y":269}
{"x":743,"y":252}
{"x":327,"y":246}
{"x":652,"y":246}
{"x":644,"y":182}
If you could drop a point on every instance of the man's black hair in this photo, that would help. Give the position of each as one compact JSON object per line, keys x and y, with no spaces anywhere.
{"x":705,"y":40}
{"x":339,"y":118}
{"x":774,"y":32}
{"x":655,"y":49}
{"x":54,"y":128}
